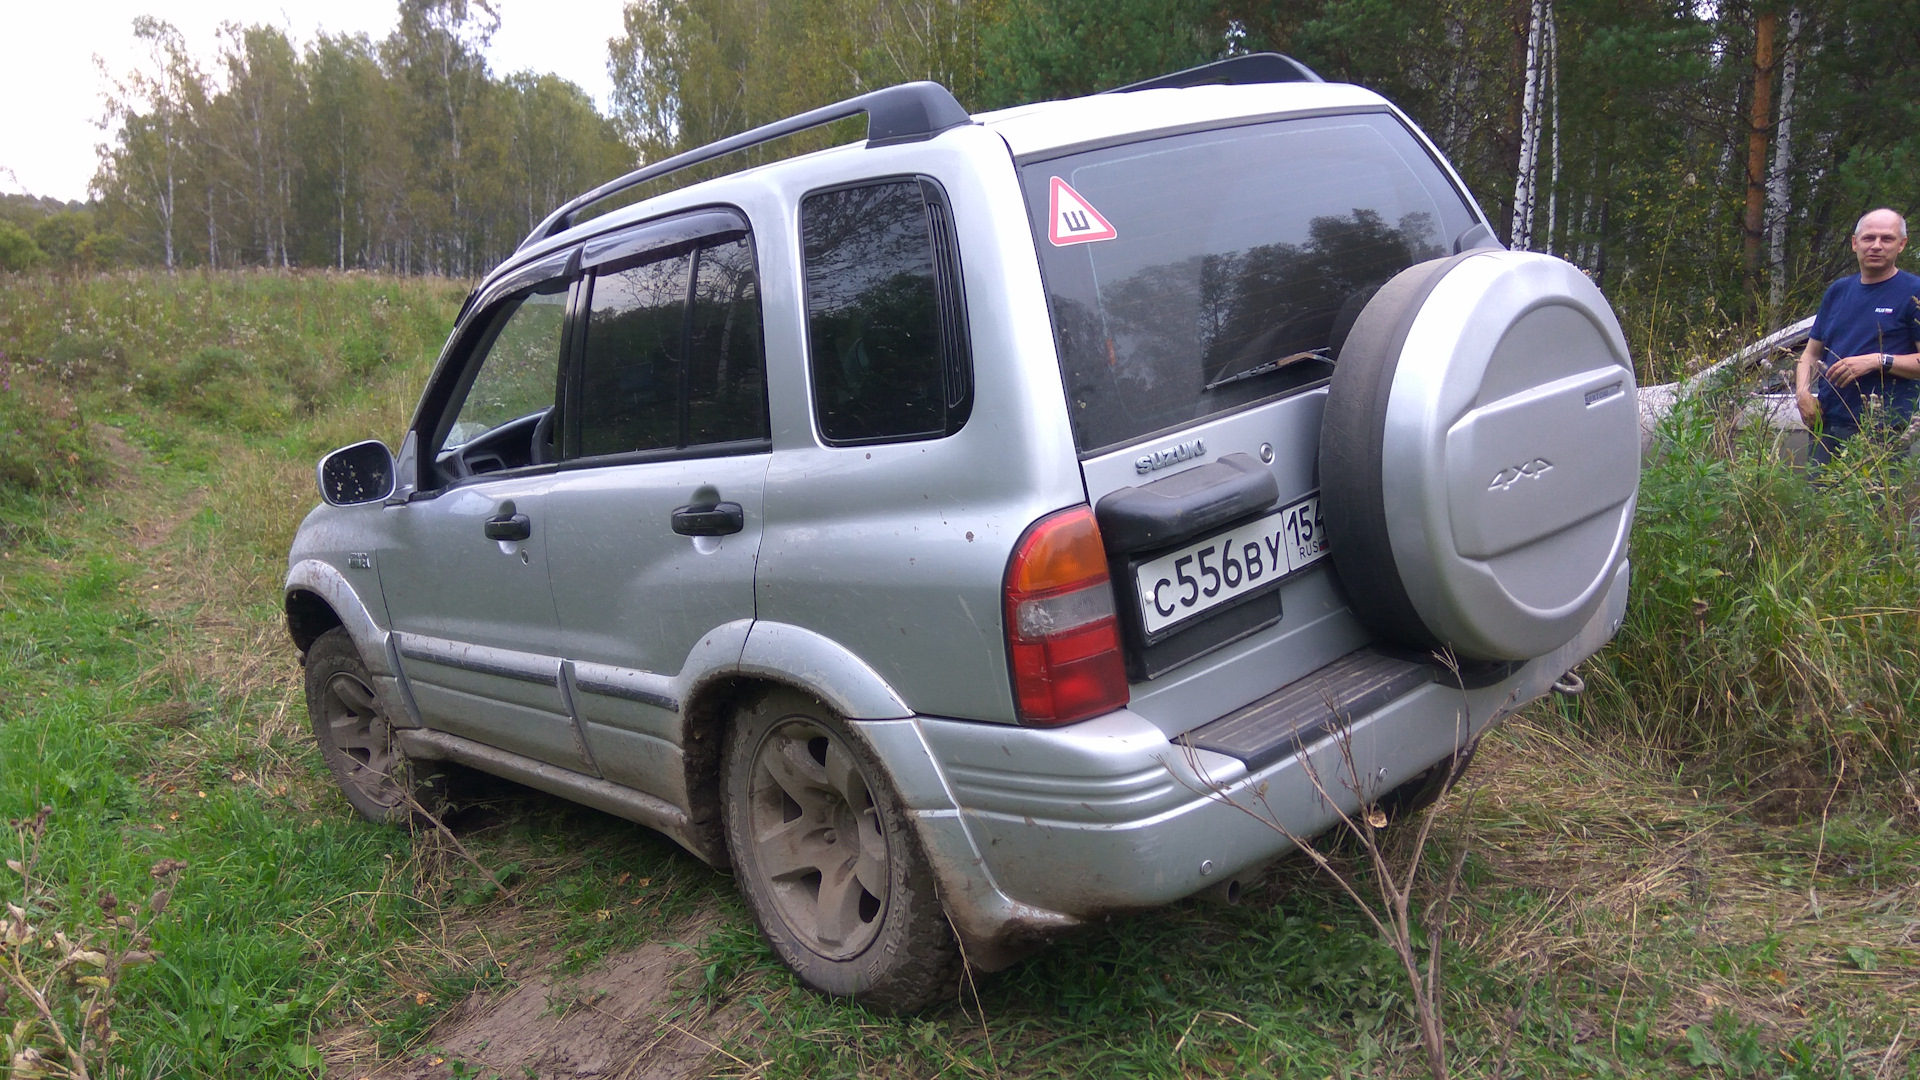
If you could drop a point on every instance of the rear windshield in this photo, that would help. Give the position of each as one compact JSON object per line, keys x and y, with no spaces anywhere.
{"x":1196,"y":274}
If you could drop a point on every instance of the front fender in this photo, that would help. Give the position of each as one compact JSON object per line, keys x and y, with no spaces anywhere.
{"x":823,"y":667}
{"x":323,"y":580}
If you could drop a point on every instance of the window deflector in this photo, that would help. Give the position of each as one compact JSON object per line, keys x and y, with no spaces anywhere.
{"x":659,"y":237}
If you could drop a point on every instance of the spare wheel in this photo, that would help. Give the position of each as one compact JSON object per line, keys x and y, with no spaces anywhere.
{"x":1480,"y":455}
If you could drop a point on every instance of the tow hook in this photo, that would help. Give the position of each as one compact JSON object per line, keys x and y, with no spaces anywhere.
{"x":1569,"y":685}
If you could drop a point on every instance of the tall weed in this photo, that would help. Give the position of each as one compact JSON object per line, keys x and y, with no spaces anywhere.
{"x":1775,"y":614}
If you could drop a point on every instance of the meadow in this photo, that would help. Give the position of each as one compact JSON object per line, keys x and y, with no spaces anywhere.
{"x":1707,"y":865}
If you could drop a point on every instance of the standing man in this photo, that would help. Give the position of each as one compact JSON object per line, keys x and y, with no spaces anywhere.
{"x":1866,"y":328}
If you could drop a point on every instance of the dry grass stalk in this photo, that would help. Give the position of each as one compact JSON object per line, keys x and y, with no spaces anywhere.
{"x":1390,"y":911}
{"x":69,"y":983}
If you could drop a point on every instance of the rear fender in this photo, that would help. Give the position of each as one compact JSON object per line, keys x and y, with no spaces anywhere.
{"x":782,"y":652}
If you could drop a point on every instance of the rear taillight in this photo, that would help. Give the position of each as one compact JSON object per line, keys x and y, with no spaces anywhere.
{"x":1063,"y":641}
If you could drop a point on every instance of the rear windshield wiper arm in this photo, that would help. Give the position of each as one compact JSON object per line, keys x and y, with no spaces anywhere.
{"x":1268,"y":367}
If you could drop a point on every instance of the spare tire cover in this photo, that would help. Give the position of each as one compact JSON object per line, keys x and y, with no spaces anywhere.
{"x":1480,"y":455}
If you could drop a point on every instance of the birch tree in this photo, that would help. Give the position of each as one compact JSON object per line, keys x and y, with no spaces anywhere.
{"x":1525,"y":185}
{"x":1553,"y":128}
{"x":1779,"y":181}
{"x":154,"y":109}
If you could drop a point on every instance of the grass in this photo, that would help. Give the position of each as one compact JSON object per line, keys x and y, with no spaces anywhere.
{"x":1683,"y":873}
{"x":1618,"y":926}
{"x":1776,"y":617}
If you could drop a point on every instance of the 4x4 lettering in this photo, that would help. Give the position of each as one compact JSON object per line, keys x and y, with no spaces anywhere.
{"x":1214,"y":589}
{"x":1193,"y":587}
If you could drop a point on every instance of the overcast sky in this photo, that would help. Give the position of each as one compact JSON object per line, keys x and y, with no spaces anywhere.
{"x":50,"y":88}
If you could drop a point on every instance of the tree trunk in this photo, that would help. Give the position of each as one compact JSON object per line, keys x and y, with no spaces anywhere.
{"x":1779,"y":185}
{"x":170,"y":147}
{"x":1521,"y":234}
{"x":1553,"y":126}
{"x":1760,"y":117}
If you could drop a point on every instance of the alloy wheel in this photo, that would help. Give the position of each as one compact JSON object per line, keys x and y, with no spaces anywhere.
{"x":362,"y":739}
{"x":817,"y":839}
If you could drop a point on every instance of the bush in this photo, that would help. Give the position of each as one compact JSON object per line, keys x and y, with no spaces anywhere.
{"x":1773,"y":616}
{"x":17,"y":249}
{"x":46,"y":444}
{"x":60,"y":235}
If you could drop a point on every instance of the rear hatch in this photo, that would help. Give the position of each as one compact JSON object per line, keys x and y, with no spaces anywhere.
{"x":1201,"y":285}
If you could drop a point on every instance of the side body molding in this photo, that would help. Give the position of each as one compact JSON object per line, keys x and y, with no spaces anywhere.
{"x":325,"y":581}
{"x":784,"y":652}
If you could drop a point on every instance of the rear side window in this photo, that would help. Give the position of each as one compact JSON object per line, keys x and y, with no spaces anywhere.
{"x":673,"y":355}
{"x":886,"y":322}
{"x":1193,"y":275}
{"x":726,"y":375}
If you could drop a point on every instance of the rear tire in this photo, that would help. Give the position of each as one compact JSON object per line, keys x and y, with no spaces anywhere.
{"x":355,"y":737}
{"x":828,"y":860}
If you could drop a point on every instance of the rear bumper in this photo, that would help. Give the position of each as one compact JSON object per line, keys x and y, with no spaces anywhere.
{"x":1032,"y":832}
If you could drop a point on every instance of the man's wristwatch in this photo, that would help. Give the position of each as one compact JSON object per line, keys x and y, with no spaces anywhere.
{"x":1886,"y":362}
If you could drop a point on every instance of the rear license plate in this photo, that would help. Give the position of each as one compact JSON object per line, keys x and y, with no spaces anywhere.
{"x":1247,"y":559}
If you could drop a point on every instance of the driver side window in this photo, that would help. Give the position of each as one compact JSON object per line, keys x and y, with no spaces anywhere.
{"x":518,"y":375}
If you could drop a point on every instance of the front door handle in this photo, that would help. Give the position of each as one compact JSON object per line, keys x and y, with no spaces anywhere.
{"x":509,"y":527}
{"x":719,"y":519}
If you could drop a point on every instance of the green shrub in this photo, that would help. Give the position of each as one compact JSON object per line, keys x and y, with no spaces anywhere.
{"x":100,"y":250}
{"x":213,"y":383}
{"x":17,"y":249}
{"x":46,"y":444}
{"x":1775,"y":617}
{"x":85,"y":358}
{"x":60,"y":235}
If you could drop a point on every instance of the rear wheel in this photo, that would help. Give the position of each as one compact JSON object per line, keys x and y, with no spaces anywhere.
{"x":355,"y":737}
{"x":829,"y":862}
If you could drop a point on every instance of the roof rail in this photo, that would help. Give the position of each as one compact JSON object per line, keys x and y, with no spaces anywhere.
{"x":1260,"y":67}
{"x":909,"y":112}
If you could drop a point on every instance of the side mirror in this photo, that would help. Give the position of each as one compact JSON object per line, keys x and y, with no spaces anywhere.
{"x":357,"y":474}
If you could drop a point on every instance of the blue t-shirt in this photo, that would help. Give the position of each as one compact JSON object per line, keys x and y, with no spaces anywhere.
{"x":1880,"y":318}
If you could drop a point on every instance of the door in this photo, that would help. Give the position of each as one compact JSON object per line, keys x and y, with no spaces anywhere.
{"x":656,"y":514}
{"x":466,"y":580}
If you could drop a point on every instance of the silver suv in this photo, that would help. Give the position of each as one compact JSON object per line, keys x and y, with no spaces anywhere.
{"x":944,"y":532}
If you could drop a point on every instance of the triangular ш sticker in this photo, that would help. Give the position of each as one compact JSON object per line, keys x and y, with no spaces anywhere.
{"x":1071,"y":219}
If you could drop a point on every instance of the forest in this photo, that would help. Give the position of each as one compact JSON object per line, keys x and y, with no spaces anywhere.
{"x":1705,"y":160}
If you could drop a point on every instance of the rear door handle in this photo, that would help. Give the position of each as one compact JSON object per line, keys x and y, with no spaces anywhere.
{"x":719,"y":519}
{"x":509,"y":527}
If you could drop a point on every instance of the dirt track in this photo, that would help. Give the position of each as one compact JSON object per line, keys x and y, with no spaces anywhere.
{"x":630,"y":1018}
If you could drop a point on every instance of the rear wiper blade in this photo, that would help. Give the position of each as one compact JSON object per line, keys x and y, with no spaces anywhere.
{"x":1269,"y":367}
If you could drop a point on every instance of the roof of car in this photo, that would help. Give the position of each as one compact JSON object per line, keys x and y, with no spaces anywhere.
{"x":1054,"y":125}
{"x":1039,"y":128}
